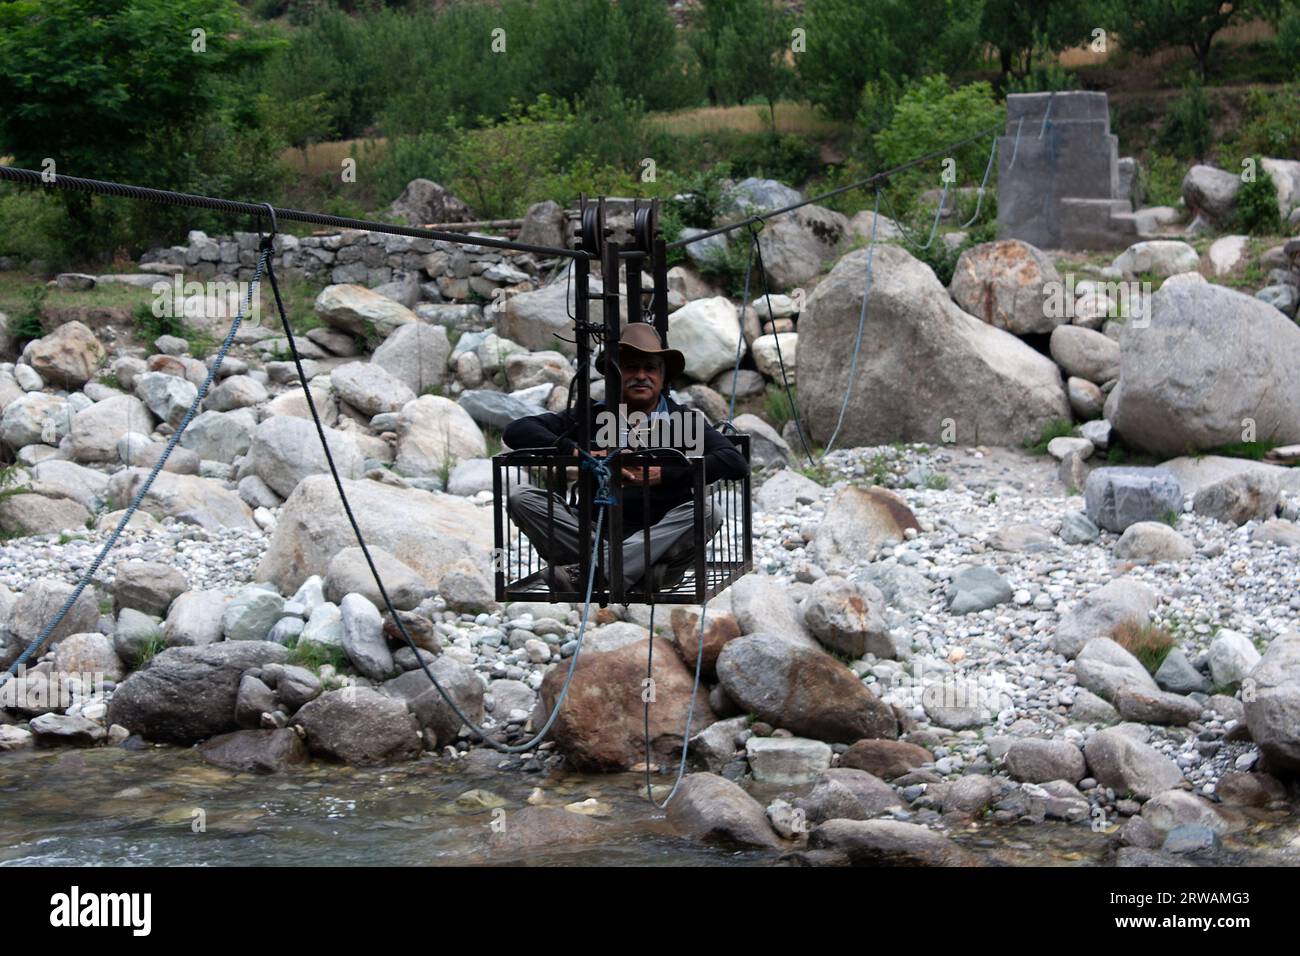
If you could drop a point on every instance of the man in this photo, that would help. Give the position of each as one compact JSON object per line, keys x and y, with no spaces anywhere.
{"x":663,"y":490}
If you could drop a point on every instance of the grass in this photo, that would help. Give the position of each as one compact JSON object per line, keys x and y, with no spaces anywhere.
{"x":1254,"y":450}
{"x":493,"y":438}
{"x":1057,"y":428}
{"x":776,"y":406}
{"x":1170,"y":517}
{"x":817,"y":472}
{"x":799,"y":118}
{"x":313,"y":656}
{"x":152,"y":648}
{"x":1149,"y":643}
{"x":936,"y":482}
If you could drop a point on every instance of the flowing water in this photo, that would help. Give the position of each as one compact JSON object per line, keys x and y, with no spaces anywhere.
{"x":115,"y":806}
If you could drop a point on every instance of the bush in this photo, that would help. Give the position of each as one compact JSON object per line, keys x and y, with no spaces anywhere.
{"x":1257,"y":211}
{"x":1162,"y":180}
{"x":1188,"y":132}
{"x":1271,"y":126}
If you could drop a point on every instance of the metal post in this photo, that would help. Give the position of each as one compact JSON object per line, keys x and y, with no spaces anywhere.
{"x":613,"y":399}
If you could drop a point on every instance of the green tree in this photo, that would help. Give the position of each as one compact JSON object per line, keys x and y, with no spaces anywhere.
{"x":1146,"y":26}
{"x":853,"y":43}
{"x":1020,"y":30}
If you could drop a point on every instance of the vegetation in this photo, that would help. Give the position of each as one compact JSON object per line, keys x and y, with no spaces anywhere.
{"x":1149,"y":643}
{"x":1257,"y":211}
{"x":1059,"y":428}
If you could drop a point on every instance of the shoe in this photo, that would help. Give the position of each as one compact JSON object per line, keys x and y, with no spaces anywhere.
{"x":561,"y":578}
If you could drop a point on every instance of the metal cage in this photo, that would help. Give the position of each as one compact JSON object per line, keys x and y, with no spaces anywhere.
{"x":699,"y":565}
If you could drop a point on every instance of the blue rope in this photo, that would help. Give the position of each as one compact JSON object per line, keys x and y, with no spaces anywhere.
{"x":144,"y":489}
{"x":600,"y":469}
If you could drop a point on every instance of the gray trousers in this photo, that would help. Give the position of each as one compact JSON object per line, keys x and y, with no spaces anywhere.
{"x":671,"y":545}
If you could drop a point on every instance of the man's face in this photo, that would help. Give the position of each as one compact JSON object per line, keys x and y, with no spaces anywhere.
{"x":643,"y":377}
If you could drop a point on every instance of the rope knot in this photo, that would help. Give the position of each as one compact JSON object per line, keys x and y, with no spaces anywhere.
{"x":600,"y":469}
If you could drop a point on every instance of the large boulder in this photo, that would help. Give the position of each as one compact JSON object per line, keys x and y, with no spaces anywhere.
{"x":57,"y":478}
{"x":68,"y":357}
{"x":370,"y":388}
{"x":35,"y":418}
{"x":1162,"y":257}
{"x":1104,"y":667}
{"x":888,"y":843}
{"x":425,"y":203}
{"x":356,"y":725}
{"x":1213,"y":365}
{"x":807,"y":692}
{"x":188,"y":693}
{"x":1124,"y":602}
{"x":542,"y":319}
{"x":1211,"y":192}
{"x":601,"y":725}
{"x":707,"y":332}
{"x":933,"y":372}
{"x":430,"y":708}
{"x":543,"y":224}
{"x":1117,"y":498}
{"x":95,"y":430}
{"x":1272,"y":697}
{"x":434,"y":433}
{"x":858,"y":521}
{"x":416,"y":355}
{"x":26,"y":514}
{"x":425,"y":530}
{"x":761,"y":603}
{"x":168,"y":396}
{"x":848,"y":618}
{"x":219,"y":436}
{"x":255,"y":751}
{"x":795,"y":246}
{"x":712,"y":808}
{"x":356,"y":309}
{"x":1085,"y":354}
{"x":33,"y":610}
{"x":349,"y":572}
{"x":285,"y":450}
{"x":1008,"y":284}
{"x":1119,"y":759}
{"x":188,"y":497}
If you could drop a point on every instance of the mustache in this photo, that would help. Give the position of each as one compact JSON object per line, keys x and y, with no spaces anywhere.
{"x":632,"y":383}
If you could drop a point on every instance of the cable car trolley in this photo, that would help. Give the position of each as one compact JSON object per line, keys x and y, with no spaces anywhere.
{"x":672,"y":490}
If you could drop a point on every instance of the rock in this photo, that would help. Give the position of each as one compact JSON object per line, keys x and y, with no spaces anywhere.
{"x":1277,"y":531}
{"x":349,"y":572}
{"x":1086,"y":399}
{"x":600,"y":726}
{"x":96,"y":430}
{"x":253,"y":700}
{"x":1244,"y":496}
{"x":371,"y":388}
{"x":797,"y":245}
{"x":89,"y":653}
{"x":256,"y":493}
{"x":1227,"y":253}
{"x":358,"y":310}
{"x":433,"y":433}
{"x":1155,"y":707}
{"x":713,"y":809}
{"x":960,"y":704}
{"x":359,"y":726}
{"x":324,"y":627}
{"x":844,"y":793}
{"x":1009,"y":284}
{"x":55,"y":729}
{"x":532,"y":318}
{"x":134,"y":633}
{"x":706,"y":331}
{"x":936,"y":369}
{"x":527,"y":369}
{"x":465,"y":588}
{"x":774,"y":352}
{"x":471,"y":476}
{"x":1123,"y":603}
{"x":753,"y":195}
{"x":1272,"y":704}
{"x":1211,"y":192}
{"x":1210,"y":359}
{"x":237,"y":391}
{"x":1166,"y":812}
{"x":858,"y":521}
{"x":1085,"y":354}
{"x":36,"y":607}
{"x":1152,"y":541}
{"x":220,"y":436}
{"x":195,"y":619}
{"x":740,"y":382}
{"x":886,"y":759}
{"x":25,"y":514}
{"x":1231,"y":658}
{"x":786,"y":761}
{"x":427,"y":531}
{"x":1040,"y":761}
{"x":363,"y":638}
{"x":425,"y":203}
{"x":285,"y":450}
{"x":1028,"y":538}
{"x":888,"y":843}
{"x":1176,"y":674}
{"x":188,"y":693}
{"x":1163,"y":257}
{"x":431,"y":710}
{"x":1118,"y":760}
{"x":1117,"y":498}
{"x":495,"y":409}
{"x":169,"y":397}
{"x":35,"y":418}
{"x":68,"y":357}
{"x":785,"y":490}
{"x":189,"y":497}
{"x":719,"y":629}
{"x":766,"y":447}
{"x":807,"y":692}
{"x":293,"y":403}
{"x":848,"y":618}
{"x":255,"y":751}
{"x":147,"y":586}
{"x":250,"y":614}
{"x":760,"y":603}
{"x":14,"y":738}
{"x":1104,"y":667}
{"x":977,"y":588}
{"x":543,"y":225}
{"x":1077,"y":528}
{"x":1088,"y":708}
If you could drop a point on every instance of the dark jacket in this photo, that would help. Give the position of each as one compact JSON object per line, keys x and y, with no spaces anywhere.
{"x":722,"y":460}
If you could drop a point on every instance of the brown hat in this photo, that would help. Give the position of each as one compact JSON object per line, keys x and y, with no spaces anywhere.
{"x":644,"y":337}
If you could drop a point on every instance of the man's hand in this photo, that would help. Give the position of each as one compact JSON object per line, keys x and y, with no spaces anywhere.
{"x":638,"y":476}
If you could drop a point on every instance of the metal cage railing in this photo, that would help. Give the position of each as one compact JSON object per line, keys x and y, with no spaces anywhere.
{"x":545,"y":491}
